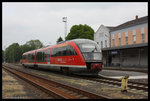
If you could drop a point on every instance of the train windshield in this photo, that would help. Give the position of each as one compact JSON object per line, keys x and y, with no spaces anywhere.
{"x":90,"y":51}
{"x":89,"y":47}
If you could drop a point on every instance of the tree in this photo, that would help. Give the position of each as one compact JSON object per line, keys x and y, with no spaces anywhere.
{"x":59,"y":39}
{"x":34,"y":44}
{"x":25,"y":48}
{"x":3,"y":55}
{"x":13,"y":53}
{"x":80,"y":31}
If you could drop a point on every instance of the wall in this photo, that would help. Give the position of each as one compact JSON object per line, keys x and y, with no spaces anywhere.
{"x":129,"y":31}
{"x":102,"y":34}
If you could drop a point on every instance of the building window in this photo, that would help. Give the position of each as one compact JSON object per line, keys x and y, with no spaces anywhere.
{"x":106,"y":43}
{"x":143,"y":37}
{"x":113,"y":42}
{"x":126,"y":40}
{"x":134,"y":39}
{"x":119,"y":41}
{"x":101,"y":44}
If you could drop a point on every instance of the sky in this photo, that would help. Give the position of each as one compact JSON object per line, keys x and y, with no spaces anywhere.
{"x":25,"y":21}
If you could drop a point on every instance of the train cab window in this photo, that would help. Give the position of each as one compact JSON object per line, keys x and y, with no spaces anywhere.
{"x":87,"y":47}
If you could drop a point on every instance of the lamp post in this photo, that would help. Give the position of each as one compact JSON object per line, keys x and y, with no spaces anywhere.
{"x":65,"y":21}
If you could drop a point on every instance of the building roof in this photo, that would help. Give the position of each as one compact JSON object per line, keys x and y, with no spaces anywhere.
{"x":126,"y":46}
{"x":131,"y":23}
{"x":110,"y":27}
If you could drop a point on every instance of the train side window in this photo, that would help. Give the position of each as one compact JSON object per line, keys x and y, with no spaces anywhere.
{"x":70,"y":50}
{"x":31,"y":57}
{"x":29,"y":60}
{"x":24,"y":57}
{"x":53,"y":52}
{"x":48,"y":60}
{"x":63,"y":51}
{"x":44,"y":56}
{"x":39,"y":56}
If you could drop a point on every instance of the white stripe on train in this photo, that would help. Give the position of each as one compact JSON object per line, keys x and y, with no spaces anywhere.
{"x":74,"y":66}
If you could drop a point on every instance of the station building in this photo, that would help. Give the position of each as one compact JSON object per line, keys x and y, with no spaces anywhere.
{"x":125,"y":44}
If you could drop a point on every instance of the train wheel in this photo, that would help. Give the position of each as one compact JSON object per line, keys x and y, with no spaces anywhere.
{"x":65,"y":70}
{"x":23,"y":66}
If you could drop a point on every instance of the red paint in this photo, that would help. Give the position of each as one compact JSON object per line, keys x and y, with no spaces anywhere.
{"x":96,"y":66}
{"x":62,"y":60}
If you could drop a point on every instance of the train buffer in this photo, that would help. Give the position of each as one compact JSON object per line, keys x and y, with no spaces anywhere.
{"x":124,"y":83}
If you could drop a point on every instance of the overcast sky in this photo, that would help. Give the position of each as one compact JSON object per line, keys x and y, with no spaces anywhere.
{"x":25,"y":21}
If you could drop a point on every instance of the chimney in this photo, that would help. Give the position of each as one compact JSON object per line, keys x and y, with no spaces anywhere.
{"x":136,"y":17}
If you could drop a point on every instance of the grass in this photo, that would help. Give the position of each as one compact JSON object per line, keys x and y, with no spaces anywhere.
{"x":11,"y":87}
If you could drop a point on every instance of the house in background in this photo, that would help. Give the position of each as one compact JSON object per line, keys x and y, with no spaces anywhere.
{"x":128,"y":43}
{"x":102,"y":36}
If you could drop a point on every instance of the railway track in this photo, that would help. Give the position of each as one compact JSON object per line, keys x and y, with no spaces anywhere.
{"x":131,"y":85}
{"x":53,"y":88}
{"x":113,"y":81}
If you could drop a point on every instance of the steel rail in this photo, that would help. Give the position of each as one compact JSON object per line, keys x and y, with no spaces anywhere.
{"x":44,"y":87}
{"x":45,"y":84}
{"x":131,"y":84}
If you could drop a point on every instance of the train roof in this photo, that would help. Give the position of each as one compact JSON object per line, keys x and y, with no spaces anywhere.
{"x":77,"y":41}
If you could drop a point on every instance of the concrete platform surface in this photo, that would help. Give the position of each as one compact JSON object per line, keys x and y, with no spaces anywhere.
{"x":118,"y":74}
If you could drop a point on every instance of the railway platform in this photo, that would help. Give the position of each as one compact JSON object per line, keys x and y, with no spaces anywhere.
{"x":140,"y":69}
{"x":136,"y":74}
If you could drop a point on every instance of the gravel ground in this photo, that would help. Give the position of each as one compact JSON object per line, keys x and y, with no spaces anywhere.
{"x":111,"y":91}
{"x":15,"y":88}
{"x":92,"y":86}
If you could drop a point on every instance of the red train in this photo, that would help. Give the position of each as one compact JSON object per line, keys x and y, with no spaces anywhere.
{"x":80,"y":56}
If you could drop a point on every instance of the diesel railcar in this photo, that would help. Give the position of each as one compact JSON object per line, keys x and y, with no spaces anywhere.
{"x":79,"y":56}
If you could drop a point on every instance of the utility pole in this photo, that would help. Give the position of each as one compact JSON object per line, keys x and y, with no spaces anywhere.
{"x":65,"y":21}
